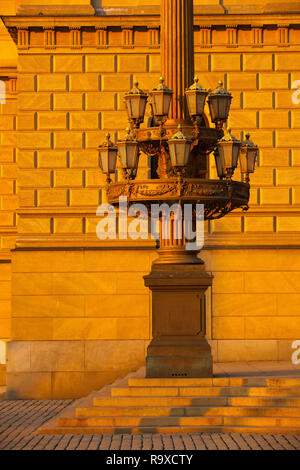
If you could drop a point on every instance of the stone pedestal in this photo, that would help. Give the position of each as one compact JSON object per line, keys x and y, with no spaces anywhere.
{"x":179,"y":347}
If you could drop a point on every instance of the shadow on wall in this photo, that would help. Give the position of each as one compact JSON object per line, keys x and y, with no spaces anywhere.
{"x":97,"y":4}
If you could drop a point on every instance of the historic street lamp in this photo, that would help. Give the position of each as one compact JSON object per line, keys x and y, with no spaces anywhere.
{"x":108,"y":157}
{"x":196,"y":96}
{"x":226,"y":155}
{"x":180,"y":147}
{"x":129,"y":155}
{"x":219,"y":105}
{"x":161,"y":99}
{"x":135,"y":101}
{"x":179,"y":141}
{"x":247,"y":156}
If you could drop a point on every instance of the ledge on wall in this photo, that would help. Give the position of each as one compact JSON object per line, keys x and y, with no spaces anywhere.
{"x":55,"y":10}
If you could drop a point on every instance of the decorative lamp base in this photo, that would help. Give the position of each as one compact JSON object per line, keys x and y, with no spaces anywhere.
{"x":179,"y":347}
{"x":171,"y":357}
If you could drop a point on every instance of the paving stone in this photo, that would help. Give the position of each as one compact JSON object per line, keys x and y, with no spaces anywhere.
{"x":198,"y":441}
{"x":284,"y":442}
{"x":167,"y":442}
{"x":105,"y":443}
{"x":261,"y":441}
{"x":85,"y":442}
{"x":241,"y":442}
{"x":188,"y":442}
{"x":209,"y":443}
{"x":136,"y":442}
{"x":147,"y":442}
{"x":220,"y":443}
{"x":157,"y":442}
{"x":95,"y":442}
{"x":178,"y":442}
{"x":126,"y":442}
{"x":74,"y":442}
{"x":273,"y":443}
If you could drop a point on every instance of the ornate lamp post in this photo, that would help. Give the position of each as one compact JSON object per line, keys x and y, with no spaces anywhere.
{"x":182,"y":143}
{"x":248,"y":154}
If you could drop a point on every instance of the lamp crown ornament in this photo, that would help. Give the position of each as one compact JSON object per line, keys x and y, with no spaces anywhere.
{"x":136,"y":90}
{"x":228,"y":137}
{"x":220,"y":89}
{"x":196,"y":86}
{"x":107,"y":143}
{"x":128,"y":135}
{"x":247,"y":142}
{"x":162,"y":87}
{"x":180,"y":135}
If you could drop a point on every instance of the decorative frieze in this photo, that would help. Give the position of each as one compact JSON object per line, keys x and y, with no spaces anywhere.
{"x":283,"y":35}
{"x":101,"y":38}
{"x":75,"y":38}
{"x":12,"y":85}
{"x":23,"y":38}
{"x":153,"y":35}
{"x":257,"y":37}
{"x":127,"y":38}
{"x":49,"y":38}
{"x":205,"y":37}
{"x":231,"y":36}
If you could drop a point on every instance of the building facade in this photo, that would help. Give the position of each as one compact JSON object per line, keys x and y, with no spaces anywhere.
{"x":74,"y":311}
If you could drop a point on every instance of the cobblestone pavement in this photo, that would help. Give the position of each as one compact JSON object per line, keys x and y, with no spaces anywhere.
{"x":20,"y":419}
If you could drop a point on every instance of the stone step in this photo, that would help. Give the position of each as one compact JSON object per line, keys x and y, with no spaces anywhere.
{"x":183,"y":422}
{"x":283,"y":382}
{"x":204,"y":391}
{"x":188,"y":411}
{"x":167,"y":430}
{"x":136,"y":405}
{"x":182,"y":382}
{"x":160,"y":401}
{"x":217,"y":381}
{"x":134,"y":421}
{"x":201,"y":401}
{"x":264,"y":402}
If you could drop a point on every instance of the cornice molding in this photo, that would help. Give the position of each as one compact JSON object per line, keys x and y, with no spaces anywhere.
{"x":230,"y":241}
{"x":22,"y":22}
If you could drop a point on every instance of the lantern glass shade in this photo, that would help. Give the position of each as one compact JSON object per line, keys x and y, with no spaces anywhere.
{"x":219,"y":165}
{"x":252,"y":153}
{"x":136,"y":106}
{"x":129,"y":154}
{"x":108,"y":159}
{"x":229,"y":154}
{"x":108,"y":156}
{"x":219,"y":104}
{"x":161,"y":99}
{"x":229,"y":149}
{"x":180,"y":148}
{"x":248,"y":155}
{"x":135,"y":101}
{"x":196,"y":96}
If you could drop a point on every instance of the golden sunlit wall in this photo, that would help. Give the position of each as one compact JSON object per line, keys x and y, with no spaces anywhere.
{"x":8,"y":197}
{"x":80,"y":311}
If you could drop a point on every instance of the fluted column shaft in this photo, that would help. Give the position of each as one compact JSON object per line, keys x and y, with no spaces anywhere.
{"x":177,"y":51}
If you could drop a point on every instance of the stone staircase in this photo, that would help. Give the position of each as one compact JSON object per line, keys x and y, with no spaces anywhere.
{"x":180,"y":405}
